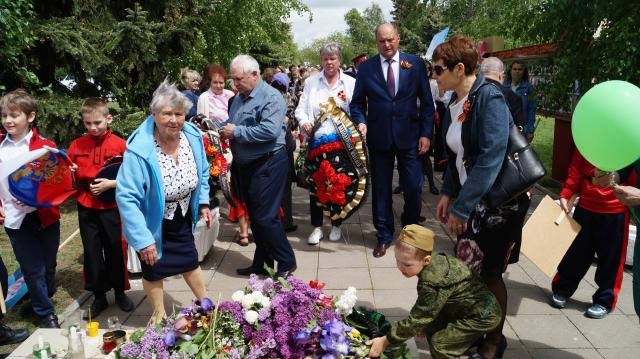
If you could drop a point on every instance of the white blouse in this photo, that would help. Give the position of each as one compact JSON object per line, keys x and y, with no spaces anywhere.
{"x":180,"y":178}
{"x":454,"y":137}
{"x":317,"y":91}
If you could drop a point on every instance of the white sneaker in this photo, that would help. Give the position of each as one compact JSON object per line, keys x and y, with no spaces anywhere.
{"x":315,"y":236}
{"x":336,"y":234}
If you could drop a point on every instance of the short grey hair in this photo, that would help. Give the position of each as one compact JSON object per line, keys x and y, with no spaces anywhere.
{"x":247,"y":63}
{"x":331,"y":48}
{"x":167,"y":94}
{"x":491,"y":64}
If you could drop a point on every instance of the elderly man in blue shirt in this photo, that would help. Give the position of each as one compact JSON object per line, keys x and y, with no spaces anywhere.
{"x":256,"y":131}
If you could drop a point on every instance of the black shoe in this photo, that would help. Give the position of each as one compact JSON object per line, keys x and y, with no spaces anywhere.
{"x":251,"y":270}
{"x":50,"y":321}
{"x":99,"y":304}
{"x":12,"y":336}
{"x":124,"y":302}
{"x":291,"y":228}
{"x":286,"y":273}
{"x":397,"y":190}
{"x":434,"y":190}
{"x":26,"y":310}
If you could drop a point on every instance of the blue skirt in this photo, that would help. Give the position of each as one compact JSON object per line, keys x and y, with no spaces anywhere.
{"x":179,"y":254}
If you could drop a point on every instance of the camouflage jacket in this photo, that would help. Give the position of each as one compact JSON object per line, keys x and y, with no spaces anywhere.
{"x":447,"y":291}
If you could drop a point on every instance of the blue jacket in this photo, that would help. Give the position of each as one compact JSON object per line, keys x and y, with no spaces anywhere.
{"x":140,"y":191}
{"x":393,"y":120}
{"x":193,"y":97}
{"x":529,"y":104}
{"x":486,"y":129}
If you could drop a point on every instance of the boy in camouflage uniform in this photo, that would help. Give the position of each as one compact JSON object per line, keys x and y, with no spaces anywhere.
{"x":454,"y":308}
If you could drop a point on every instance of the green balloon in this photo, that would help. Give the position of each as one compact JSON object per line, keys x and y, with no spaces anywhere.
{"x":606,"y":125}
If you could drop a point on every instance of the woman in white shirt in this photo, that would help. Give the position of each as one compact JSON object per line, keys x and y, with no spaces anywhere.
{"x":330,"y":82}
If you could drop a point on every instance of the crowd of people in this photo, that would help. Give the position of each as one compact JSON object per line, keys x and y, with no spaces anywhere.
{"x":455,"y":109}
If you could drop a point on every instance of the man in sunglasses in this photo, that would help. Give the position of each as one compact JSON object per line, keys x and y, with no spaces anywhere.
{"x":385,"y":107}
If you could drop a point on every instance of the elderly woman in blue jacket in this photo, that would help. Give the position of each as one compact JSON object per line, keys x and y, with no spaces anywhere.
{"x":162,"y":190}
{"x":476,"y":134}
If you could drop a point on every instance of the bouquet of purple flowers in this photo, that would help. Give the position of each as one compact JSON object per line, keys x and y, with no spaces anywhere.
{"x":269,"y":318}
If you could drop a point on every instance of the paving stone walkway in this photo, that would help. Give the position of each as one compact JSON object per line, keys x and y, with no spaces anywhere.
{"x":533,"y":328}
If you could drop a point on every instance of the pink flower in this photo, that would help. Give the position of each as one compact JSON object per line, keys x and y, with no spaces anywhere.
{"x":467,"y":251}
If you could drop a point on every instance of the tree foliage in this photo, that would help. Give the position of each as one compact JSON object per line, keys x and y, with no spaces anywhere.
{"x":596,"y":39}
{"x":122,"y":50}
{"x":311,"y":53}
{"x":361,"y":27}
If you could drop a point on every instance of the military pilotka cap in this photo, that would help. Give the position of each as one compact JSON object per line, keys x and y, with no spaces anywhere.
{"x":417,"y":236}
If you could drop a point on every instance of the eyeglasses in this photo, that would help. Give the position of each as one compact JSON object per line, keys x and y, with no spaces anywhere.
{"x":438,"y":69}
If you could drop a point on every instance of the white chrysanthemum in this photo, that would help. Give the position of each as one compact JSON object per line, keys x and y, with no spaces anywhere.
{"x":265,"y":302}
{"x":347,"y":301}
{"x":257,"y":297}
{"x":251,"y":316}
{"x":247,"y":301}
{"x":237,"y":296}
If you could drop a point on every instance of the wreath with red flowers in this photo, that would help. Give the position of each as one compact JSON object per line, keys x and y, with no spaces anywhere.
{"x":330,"y":184}
{"x":217,"y":162}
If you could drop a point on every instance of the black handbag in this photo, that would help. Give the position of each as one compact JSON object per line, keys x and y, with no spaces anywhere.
{"x":521,"y":169}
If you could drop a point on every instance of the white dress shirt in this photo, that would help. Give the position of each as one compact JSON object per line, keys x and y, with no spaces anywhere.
{"x":317,"y":91}
{"x":395,"y":66}
{"x":14,"y":213}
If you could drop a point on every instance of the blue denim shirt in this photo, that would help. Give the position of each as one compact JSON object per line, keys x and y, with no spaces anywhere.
{"x":486,"y":129}
{"x":259,"y":120}
{"x":529,"y":104}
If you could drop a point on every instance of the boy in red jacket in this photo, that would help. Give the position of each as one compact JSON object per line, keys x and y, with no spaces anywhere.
{"x":34,"y":232}
{"x":99,"y":221}
{"x":605,"y":223}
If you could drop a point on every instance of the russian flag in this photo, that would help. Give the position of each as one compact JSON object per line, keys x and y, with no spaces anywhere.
{"x":39,"y":178}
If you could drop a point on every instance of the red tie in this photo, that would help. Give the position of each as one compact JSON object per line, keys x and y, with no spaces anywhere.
{"x":391,"y":79}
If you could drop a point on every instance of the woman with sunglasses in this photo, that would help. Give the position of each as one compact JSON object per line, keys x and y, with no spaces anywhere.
{"x":475,"y":130}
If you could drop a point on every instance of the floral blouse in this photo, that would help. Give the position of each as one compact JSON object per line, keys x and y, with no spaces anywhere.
{"x":180,"y":178}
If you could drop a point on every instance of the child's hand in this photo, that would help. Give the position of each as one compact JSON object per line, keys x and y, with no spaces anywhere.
{"x":564,"y":204}
{"x":378,"y":345}
{"x":100,"y":185}
{"x":1,"y":215}
{"x":73,"y":167}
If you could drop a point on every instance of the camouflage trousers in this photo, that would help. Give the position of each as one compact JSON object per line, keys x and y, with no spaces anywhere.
{"x":451,"y":338}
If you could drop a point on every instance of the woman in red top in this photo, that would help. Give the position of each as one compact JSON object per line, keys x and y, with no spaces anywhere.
{"x":605,"y":223}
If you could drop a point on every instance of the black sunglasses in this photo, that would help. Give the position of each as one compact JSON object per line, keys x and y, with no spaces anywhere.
{"x":438,"y":69}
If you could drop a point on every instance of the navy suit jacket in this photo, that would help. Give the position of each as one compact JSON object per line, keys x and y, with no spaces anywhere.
{"x":398,"y":120}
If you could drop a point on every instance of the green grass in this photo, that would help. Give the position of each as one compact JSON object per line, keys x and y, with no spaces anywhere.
{"x":68,"y":275}
{"x":543,"y":144}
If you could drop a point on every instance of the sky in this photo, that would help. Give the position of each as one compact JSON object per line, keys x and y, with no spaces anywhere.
{"x":328,"y":17}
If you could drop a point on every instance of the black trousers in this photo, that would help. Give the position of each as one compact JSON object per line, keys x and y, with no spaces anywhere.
{"x":262,"y":185}
{"x":605,"y":235}
{"x":317,"y":216}
{"x":104,"y":266}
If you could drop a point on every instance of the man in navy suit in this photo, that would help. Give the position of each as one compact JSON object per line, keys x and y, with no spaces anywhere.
{"x":397,"y":126}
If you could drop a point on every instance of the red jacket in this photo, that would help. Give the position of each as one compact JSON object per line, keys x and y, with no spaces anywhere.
{"x":592,"y":198}
{"x":90,"y":153}
{"x":48,"y":216}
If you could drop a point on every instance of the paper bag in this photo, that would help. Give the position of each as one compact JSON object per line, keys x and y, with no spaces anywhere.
{"x":547,"y":235}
